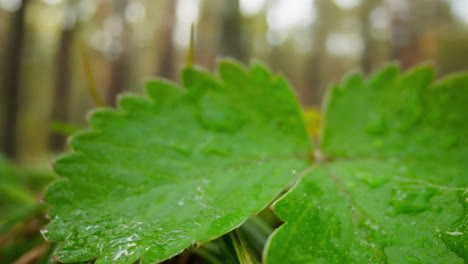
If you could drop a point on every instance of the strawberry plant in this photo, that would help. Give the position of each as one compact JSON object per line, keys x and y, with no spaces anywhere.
{"x":183,"y":166}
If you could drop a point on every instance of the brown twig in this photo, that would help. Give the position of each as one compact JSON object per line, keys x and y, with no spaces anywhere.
{"x":32,"y":255}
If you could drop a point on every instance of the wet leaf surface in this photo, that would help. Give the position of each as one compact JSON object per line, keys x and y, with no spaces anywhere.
{"x":393,"y":188}
{"x":177,"y":167}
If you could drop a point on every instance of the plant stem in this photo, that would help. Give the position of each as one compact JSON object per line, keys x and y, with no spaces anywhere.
{"x":89,"y":77}
{"x":261,"y":224}
{"x":207,"y":255}
{"x":242,"y":248}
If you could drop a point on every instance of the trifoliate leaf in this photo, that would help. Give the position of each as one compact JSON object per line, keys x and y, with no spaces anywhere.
{"x":179,"y":167}
{"x":393,"y":184}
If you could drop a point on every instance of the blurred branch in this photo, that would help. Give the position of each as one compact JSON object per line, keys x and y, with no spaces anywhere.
{"x":314,"y":63}
{"x":190,"y":51}
{"x":121,"y":65}
{"x":32,"y":255}
{"x":232,"y":36}
{"x":368,"y":49}
{"x":167,"y":57}
{"x":63,"y":73}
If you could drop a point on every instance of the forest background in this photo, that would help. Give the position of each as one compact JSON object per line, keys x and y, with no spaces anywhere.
{"x":126,"y":42}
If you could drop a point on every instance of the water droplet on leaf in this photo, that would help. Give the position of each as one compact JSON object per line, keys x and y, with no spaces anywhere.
{"x":181,"y":202}
{"x":411,"y":199}
{"x":454,"y":233}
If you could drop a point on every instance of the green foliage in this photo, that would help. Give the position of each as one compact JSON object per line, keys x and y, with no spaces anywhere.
{"x":182,"y":166}
{"x":393,"y":186}
{"x":19,"y":206}
{"x":18,"y":189}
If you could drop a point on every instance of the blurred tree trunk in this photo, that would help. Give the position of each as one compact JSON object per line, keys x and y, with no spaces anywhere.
{"x":63,"y":74}
{"x":119,"y":78}
{"x":166,"y":58}
{"x":311,"y":93}
{"x":208,"y":37}
{"x":368,"y":43}
{"x":276,"y":58}
{"x":121,"y":66}
{"x":405,"y":40}
{"x":232,"y":38}
{"x":12,"y":76}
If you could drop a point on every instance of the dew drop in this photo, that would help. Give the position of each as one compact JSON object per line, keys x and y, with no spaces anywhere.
{"x":133,"y":237}
{"x":411,"y":200}
{"x":454,"y":233}
{"x":205,"y":181}
{"x":120,"y":253}
{"x":372,"y":225}
{"x":455,"y":239}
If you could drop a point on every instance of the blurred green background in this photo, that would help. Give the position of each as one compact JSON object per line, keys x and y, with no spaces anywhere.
{"x":45,"y":44}
{"x":312,"y":42}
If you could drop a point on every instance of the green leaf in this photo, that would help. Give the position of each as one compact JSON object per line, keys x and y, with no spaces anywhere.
{"x":393,"y":184}
{"x":179,"y":167}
